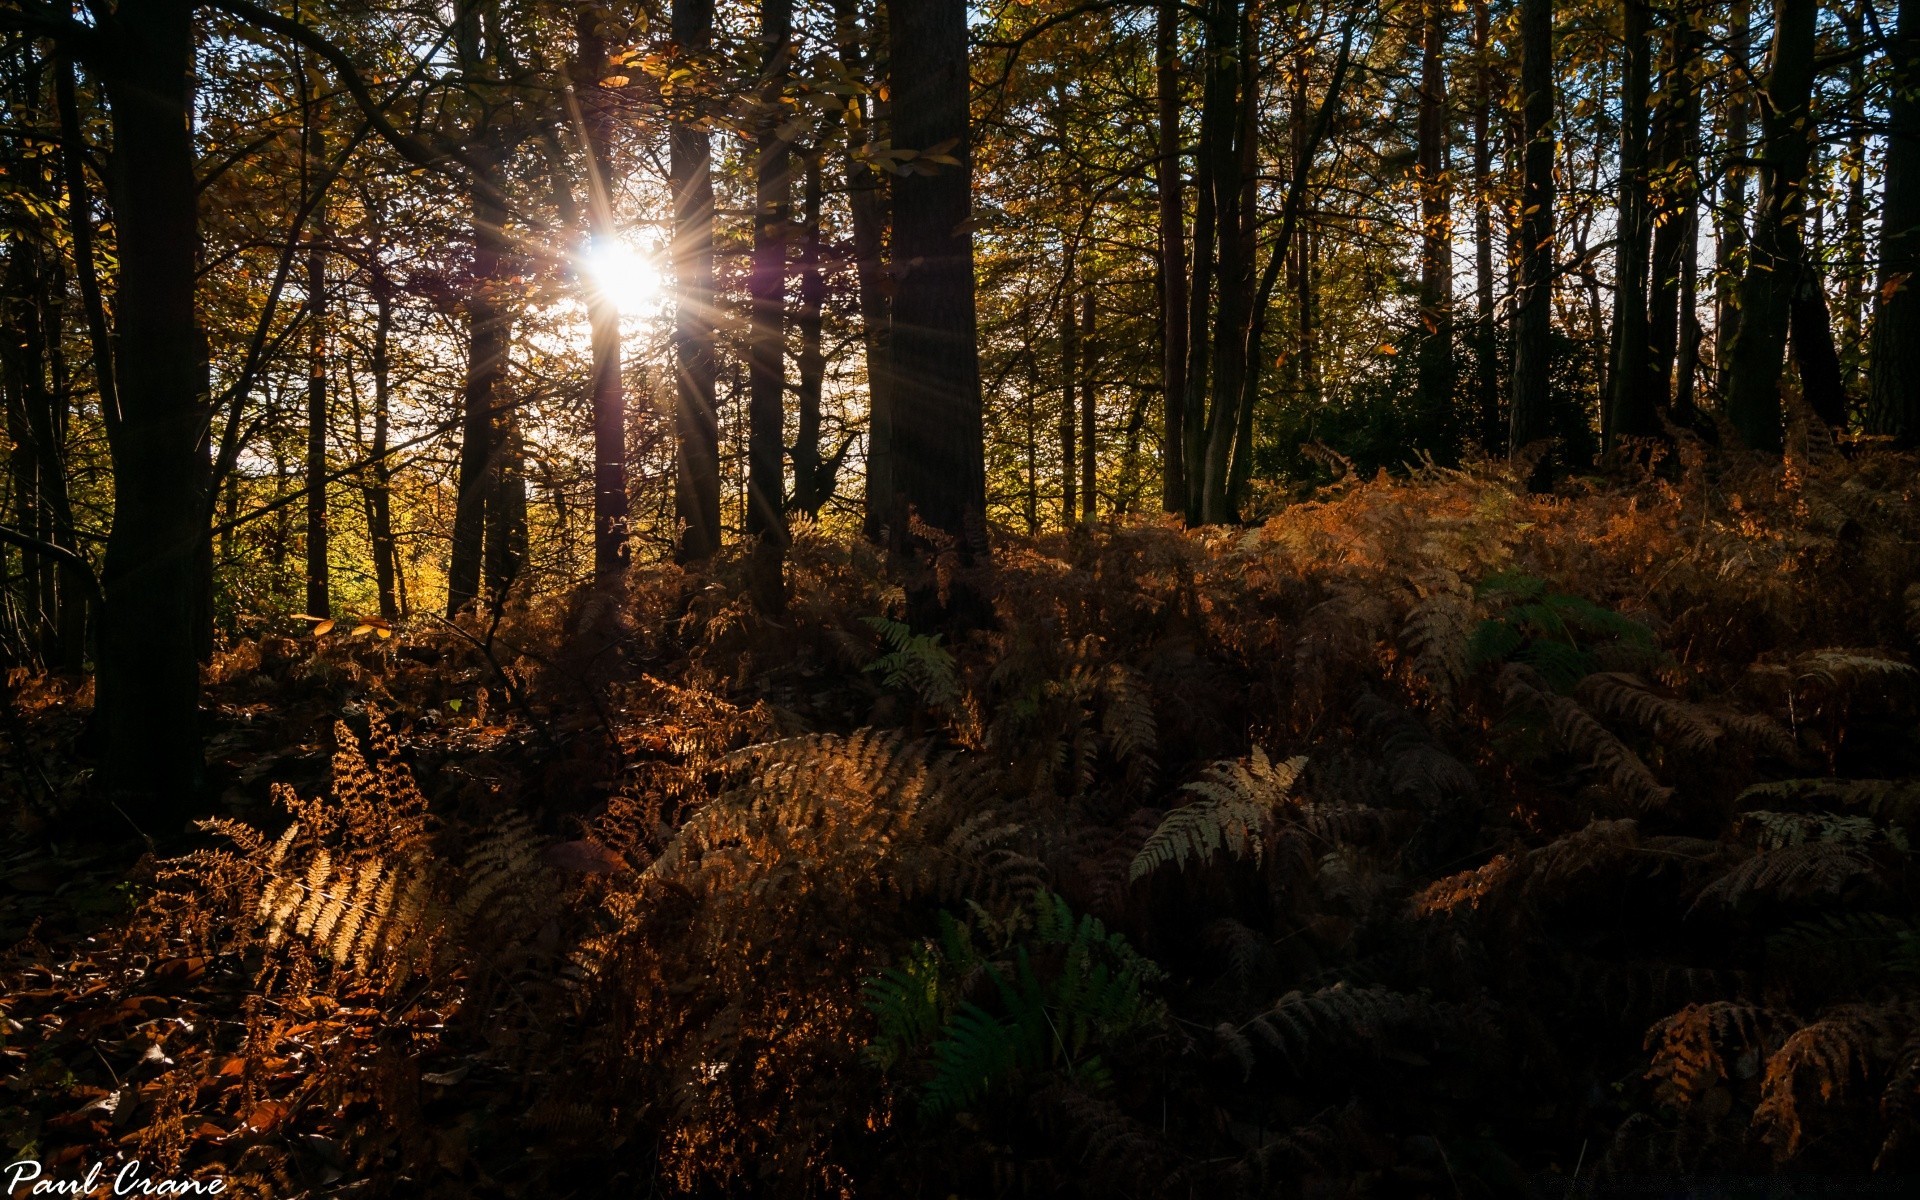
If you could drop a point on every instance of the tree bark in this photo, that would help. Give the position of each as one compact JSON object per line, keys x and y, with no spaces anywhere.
{"x":939,"y":465}
{"x":148,"y":686}
{"x":607,"y":391}
{"x":1231,"y":176}
{"x":696,"y":421}
{"x":867,"y":206}
{"x":313,"y":153}
{"x":380,"y":495}
{"x":1894,"y":402}
{"x":1069,"y":399}
{"x":1089,"y":404}
{"x":1630,"y":407}
{"x":1775,"y":258}
{"x":488,"y":331}
{"x":1733,"y":207}
{"x":1173,"y":259}
{"x":1676,"y":165}
{"x":1486,"y":379}
{"x":766,"y":332}
{"x":1531,"y":415}
{"x":811,"y":483}
{"x":1436,"y":365}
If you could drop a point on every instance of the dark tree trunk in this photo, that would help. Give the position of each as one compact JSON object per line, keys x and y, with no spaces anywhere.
{"x":766,"y":333}
{"x":1532,"y":403}
{"x":939,"y":465}
{"x":488,"y":330}
{"x":1814,"y":352}
{"x":1486,"y":379}
{"x":1854,"y":221}
{"x":1231,"y":176}
{"x":1215,"y":125}
{"x":1732,"y":214}
{"x":607,"y":393}
{"x":1069,"y":399}
{"x":506,"y":509}
{"x":1436,"y":366}
{"x":1775,"y":258}
{"x":147,"y":709}
{"x":867,"y":205}
{"x":1089,"y":405}
{"x":380,"y":495}
{"x":1173,"y":259}
{"x":1630,"y":407}
{"x":696,"y":421}
{"x":319,"y":600}
{"x":1676,"y":158}
{"x":812,"y":483}
{"x":1894,"y":403}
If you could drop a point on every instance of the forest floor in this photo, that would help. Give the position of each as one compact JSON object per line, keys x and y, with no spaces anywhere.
{"x":1432,"y":838}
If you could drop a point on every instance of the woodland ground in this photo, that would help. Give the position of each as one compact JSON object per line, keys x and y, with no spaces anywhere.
{"x":1432,"y":838}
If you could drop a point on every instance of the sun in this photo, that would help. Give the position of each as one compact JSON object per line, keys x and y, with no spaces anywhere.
{"x":624,"y":275}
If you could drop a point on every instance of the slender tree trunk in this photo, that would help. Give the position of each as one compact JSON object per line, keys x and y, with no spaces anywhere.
{"x":867,"y":205}
{"x":810,"y":483}
{"x":488,"y":331}
{"x":1173,"y":260}
{"x":147,"y":706}
{"x":380,"y":495}
{"x":1894,"y":403}
{"x":939,"y":463}
{"x":1089,"y":404}
{"x":1676,"y":165}
{"x":1069,"y":398}
{"x":696,"y":420}
{"x":766,"y":333}
{"x":1492,"y":432}
{"x":1630,"y":407}
{"x":1854,"y":227}
{"x":1436,"y":365}
{"x":1232,"y":179}
{"x":1210,"y":232}
{"x":1775,"y":253}
{"x":319,"y":600}
{"x":506,"y":509}
{"x":1814,"y":353}
{"x":1532,"y":405}
{"x":611,"y":548}
{"x":1730,"y":255}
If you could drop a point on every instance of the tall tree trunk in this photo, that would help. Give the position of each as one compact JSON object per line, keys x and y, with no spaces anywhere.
{"x":1436,"y":366}
{"x":506,"y":509}
{"x":1486,"y":380}
{"x":1814,"y":353}
{"x":1853,"y":229}
{"x":1676,"y":156}
{"x":1775,"y":258}
{"x":488,"y":331}
{"x":611,"y":548}
{"x":1232,"y":180}
{"x":1531,"y":417}
{"x":319,"y":601}
{"x":1069,"y":398}
{"x":147,"y":706}
{"x":1209,"y":234}
{"x":811,"y":483}
{"x":1173,"y":259}
{"x":1089,"y":404}
{"x":380,"y":495}
{"x":867,"y":205}
{"x":1894,"y":402}
{"x":766,"y":332}
{"x":1733,"y":207}
{"x":696,"y":420}
{"x":1630,"y":407}
{"x":939,"y":467}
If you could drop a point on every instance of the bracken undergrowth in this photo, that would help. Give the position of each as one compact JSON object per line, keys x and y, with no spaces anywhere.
{"x":1431,"y":837}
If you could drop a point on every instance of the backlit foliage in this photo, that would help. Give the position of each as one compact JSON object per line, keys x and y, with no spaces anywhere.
{"x":826,"y":907}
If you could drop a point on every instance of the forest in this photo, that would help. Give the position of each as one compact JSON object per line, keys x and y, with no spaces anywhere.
{"x":1028,"y":598}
